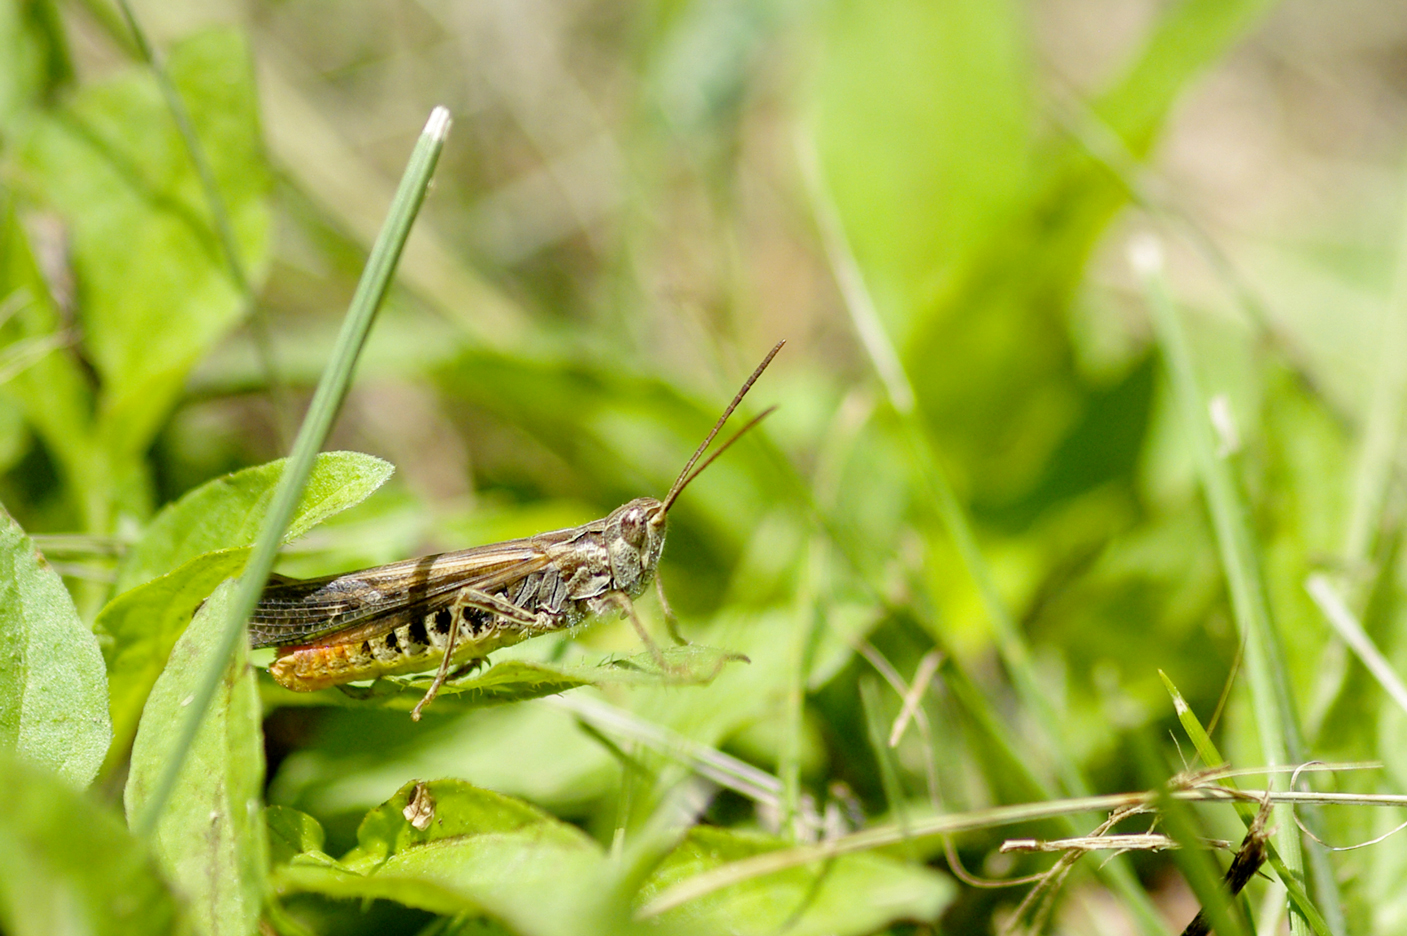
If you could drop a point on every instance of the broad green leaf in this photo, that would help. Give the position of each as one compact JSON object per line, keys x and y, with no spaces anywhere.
{"x":228,"y":511}
{"x":291,"y":833}
{"x":68,"y":866}
{"x":137,"y":630}
{"x":479,"y":852}
{"x":207,"y":533}
{"x":356,"y":758}
{"x":53,"y":690}
{"x":857,"y":893}
{"x":211,"y":840}
{"x":459,"y":809}
{"x":158,"y":292}
{"x":410,"y":889}
{"x":520,"y":680}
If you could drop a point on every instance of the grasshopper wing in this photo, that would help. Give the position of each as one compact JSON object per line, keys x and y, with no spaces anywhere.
{"x":374,"y":601}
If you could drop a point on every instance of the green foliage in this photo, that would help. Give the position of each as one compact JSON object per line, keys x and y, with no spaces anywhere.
{"x":210,"y":840}
{"x":291,"y":833}
{"x":819,"y":899}
{"x":228,"y":511}
{"x":1211,"y":757}
{"x":484,"y":853}
{"x":110,"y":162}
{"x":53,"y":691}
{"x":203,"y":539}
{"x":67,"y":864}
{"x":157,"y":295}
{"x":481,"y":852}
{"x":992,"y":468}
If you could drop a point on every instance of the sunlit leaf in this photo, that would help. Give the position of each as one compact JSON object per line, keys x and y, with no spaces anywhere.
{"x":358,"y":756}
{"x":207,"y":532}
{"x":291,"y":833}
{"x":211,"y":838}
{"x":227,"y":512}
{"x":479,"y":852}
{"x":854,"y":894}
{"x":138,"y":628}
{"x":53,"y":691}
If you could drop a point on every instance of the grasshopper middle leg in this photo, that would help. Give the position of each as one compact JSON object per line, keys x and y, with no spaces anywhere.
{"x":464,"y":600}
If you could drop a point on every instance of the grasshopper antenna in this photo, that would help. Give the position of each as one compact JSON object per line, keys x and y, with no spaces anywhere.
{"x":688,"y":474}
{"x":674,"y":493}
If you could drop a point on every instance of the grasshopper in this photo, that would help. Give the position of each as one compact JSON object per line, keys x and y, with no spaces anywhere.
{"x":452,"y":609}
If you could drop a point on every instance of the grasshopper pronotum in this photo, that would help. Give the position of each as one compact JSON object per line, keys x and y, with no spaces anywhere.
{"x":454,"y":608}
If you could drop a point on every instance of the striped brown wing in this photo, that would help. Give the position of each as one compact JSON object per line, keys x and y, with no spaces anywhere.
{"x":374,"y":601}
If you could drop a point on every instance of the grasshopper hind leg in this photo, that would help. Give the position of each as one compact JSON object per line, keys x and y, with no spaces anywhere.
{"x":441,"y":677}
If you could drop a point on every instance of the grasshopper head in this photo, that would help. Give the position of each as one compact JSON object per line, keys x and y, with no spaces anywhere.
{"x":635,"y":539}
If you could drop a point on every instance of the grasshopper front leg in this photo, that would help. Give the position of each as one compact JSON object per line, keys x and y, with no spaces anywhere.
{"x":671,"y":620}
{"x":621,"y":602}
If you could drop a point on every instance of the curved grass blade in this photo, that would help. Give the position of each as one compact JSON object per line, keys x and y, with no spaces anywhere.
{"x":332,"y":389}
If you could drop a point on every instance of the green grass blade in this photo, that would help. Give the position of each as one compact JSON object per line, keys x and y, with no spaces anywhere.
{"x":1264,"y":671}
{"x":888,"y":771}
{"x":1351,"y":632}
{"x":1276,"y":723}
{"x":921,"y":828}
{"x":332,"y":389}
{"x":1012,"y":647}
{"x":224,"y":230}
{"x":1211,"y":756}
{"x":1017,"y":657}
{"x":1198,"y":869}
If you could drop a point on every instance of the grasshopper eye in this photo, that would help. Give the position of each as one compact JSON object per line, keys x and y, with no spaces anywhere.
{"x":632,"y":528}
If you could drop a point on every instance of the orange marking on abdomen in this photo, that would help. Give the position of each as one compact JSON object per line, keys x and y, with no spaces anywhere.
{"x":310,"y":668}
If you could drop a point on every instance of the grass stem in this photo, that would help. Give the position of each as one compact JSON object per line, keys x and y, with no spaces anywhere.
{"x":331,"y":391}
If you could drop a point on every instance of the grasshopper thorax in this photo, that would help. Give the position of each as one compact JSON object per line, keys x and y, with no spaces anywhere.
{"x":634,"y":541}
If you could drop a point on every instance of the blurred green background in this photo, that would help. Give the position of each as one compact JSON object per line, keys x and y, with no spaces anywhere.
{"x":930,"y":201}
